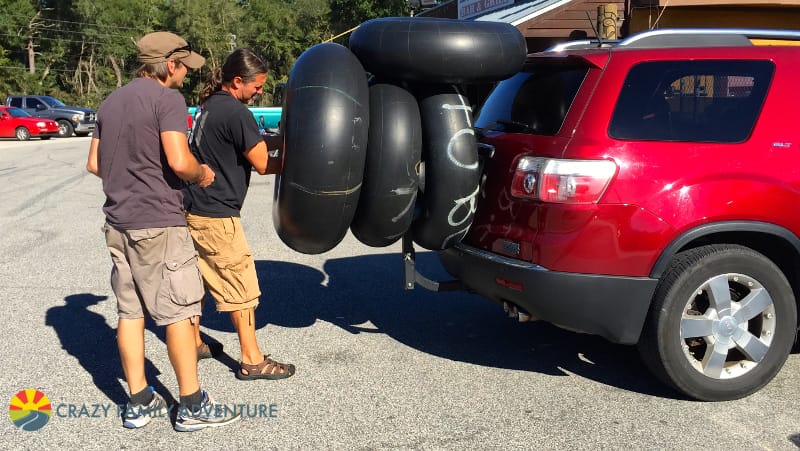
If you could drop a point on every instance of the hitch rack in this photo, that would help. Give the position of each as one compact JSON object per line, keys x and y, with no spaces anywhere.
{"x":411,"y":277}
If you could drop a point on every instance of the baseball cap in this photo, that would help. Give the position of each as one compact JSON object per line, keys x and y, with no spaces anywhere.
{"x":163,"y":45}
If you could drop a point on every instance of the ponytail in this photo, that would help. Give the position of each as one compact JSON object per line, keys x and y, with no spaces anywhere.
{"x":213,"y":84}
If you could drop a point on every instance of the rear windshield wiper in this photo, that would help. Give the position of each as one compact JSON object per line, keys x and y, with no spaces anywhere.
{"x":510,"y":126}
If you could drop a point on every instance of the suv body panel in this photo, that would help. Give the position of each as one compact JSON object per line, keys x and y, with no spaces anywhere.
{"x":592,"y":268}
{"x":781,"y":235}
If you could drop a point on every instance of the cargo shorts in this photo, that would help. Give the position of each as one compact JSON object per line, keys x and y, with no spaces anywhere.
{"x":155,"y":270}
{"x":226,"y":262}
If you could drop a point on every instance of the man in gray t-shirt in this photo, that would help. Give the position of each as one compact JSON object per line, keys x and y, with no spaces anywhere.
{"x":140,"y":191}
{"x":140,"y":151}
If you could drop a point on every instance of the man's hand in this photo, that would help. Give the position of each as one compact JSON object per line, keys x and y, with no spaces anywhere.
{"x":207,"y":178}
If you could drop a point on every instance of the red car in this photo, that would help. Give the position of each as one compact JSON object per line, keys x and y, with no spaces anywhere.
{"x":16,"y":123}
{"x":646,"y":191}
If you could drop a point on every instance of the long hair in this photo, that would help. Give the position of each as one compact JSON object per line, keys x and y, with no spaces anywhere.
{"x":240,"y":63}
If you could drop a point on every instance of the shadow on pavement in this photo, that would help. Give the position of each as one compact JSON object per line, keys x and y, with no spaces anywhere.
{"x":453,"y":325}
{"x":86,"y":336}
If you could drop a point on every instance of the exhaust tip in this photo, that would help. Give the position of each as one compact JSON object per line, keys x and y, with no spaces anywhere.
{"x":513,"y":311}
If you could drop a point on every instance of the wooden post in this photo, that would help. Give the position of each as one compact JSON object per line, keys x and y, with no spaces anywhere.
{"x":607,"y":21}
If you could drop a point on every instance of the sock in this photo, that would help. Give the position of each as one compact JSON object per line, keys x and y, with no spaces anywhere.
{"x":142,"y":398}
{"x":192,"y":402}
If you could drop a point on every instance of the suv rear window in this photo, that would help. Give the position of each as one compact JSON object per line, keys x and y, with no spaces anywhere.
{"x":701,"y":101}
{"x":532,"y":102}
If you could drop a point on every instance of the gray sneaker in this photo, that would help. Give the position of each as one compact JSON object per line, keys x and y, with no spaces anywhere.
{"x":139,"y":416}
{"x":207,"y":415}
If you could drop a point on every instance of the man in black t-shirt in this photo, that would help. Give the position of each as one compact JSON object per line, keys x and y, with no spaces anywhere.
{"x":226,"y":137}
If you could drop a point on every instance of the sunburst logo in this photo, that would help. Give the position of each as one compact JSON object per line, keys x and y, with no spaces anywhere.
{"x":29,"y":409}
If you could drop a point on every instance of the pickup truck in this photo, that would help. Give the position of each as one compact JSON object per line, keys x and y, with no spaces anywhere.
{"x":267,"y":118}
{"x":70,"y":119}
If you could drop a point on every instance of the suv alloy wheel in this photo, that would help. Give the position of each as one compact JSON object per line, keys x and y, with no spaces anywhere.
{"x":722,"y":323}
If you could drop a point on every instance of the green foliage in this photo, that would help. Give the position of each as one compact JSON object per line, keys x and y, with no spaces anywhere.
{"x":18,"y":21}
{"x":284,"y":31}
{"x":84,"y":49}
{"x":346,"y":14}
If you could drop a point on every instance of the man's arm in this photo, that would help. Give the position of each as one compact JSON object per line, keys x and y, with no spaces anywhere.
{"x":182,"y":162}
{"x":260,"y":157}
{"x":93,"y":163}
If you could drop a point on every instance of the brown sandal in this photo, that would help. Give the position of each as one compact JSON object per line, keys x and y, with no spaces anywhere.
{"x":268,"y":369}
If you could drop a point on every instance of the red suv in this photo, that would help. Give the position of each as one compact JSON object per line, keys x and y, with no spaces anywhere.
{"x":647,"y":191}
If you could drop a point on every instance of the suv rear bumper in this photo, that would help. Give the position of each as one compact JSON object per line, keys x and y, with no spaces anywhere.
{"x":613,"y":307}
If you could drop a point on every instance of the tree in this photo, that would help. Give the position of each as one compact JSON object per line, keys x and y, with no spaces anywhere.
{"x":23,"y":41}
{"x":81,"y":50}
{"x":108,"y":45}
{"x":282,"y":30}
{"x":346,"y":14}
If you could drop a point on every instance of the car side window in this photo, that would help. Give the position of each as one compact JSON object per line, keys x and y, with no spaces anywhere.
{"x":16,"y":101}
{"x":533,"y":102}
{"x":693,"y":101}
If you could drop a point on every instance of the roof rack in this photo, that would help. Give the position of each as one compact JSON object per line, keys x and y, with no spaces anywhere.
{"x":704,"y":37}
{"x":582,"y":44}
{"x":683,"y":37}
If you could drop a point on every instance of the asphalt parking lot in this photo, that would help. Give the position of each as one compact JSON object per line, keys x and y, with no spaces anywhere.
{"x":377,"y":367}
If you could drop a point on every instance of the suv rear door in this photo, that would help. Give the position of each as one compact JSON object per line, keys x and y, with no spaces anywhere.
{"x":534,"y":112}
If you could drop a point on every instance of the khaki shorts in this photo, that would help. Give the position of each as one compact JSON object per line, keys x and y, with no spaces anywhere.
{"x":155,"y":270}
{"x":226,"y":262}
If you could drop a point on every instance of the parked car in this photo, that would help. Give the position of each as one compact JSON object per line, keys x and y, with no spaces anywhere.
{"x":646,"y":191}
{"x":16,"y":123}
{"x":70,"y":119}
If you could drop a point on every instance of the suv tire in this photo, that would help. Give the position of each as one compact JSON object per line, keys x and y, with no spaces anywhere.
{"x":64,"y":128}
{"x":755,"y":301}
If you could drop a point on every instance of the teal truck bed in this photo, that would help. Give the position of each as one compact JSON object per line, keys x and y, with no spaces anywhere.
{"x":267,"y":117}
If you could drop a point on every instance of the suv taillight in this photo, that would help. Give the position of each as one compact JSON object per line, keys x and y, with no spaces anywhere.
{"x":562,"y":181}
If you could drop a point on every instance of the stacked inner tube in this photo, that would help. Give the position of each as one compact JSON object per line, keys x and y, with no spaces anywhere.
{"x":325,"y":125}
{"x":450,"y":153}
{"x":391,"y":177}
{"x":402,"y":150}
{"x":431,"y":50}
